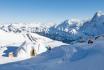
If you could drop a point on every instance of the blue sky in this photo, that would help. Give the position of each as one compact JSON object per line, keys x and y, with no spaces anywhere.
{"x":12,"y":11}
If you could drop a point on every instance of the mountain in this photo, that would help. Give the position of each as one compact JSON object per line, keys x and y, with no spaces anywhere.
{"x":95,"y":26}
{"x":75,"y":30}
{"x":68,"y":31}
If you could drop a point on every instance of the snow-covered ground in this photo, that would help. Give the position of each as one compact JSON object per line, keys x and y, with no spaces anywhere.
{"x":20,"y":45}
{"x":7,"y":38}
{"x":80,"y":56}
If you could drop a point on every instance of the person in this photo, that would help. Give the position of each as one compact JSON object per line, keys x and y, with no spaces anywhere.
{"x":10,"y":55}
{"x":90,"y":41}
{"x":48,"y":48}
{"x":33,"y":52}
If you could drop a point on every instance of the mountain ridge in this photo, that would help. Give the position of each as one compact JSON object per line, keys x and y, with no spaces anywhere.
{"x":67,"y":31}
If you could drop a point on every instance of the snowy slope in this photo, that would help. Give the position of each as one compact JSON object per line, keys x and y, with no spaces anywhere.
{"x":80,"y":56}
{"x":39,"y":43}
{"x":22,"y":43}
{"x":7,"y":38}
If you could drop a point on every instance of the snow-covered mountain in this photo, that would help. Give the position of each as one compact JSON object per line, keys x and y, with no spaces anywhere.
{"x":20,"y":27}
{"x":71,"y":30}
{"x":95,"y":26}
{"x":67,"y":31}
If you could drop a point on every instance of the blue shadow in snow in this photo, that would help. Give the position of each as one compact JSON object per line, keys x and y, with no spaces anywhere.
{"x":83,"y":53}
{"x":10,"y":49}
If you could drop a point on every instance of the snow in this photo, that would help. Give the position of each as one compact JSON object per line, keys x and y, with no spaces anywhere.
{"x":75,"y":29}
{"x":80,"y":56}
{"x":10,"y":38}
{"x":99,"y":13}
{"x":39,"y":43}
{"x":5,"y":60}
{"x":68,"y":31}
{"x":20,"y":39}
{"x":20,"y":44}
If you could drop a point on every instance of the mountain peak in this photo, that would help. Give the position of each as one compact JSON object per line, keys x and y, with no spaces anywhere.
{"x":72,"y":21}
{"x":99,"y":13}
